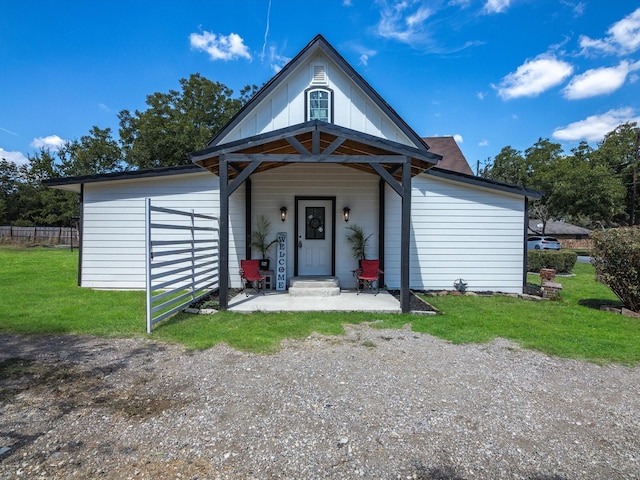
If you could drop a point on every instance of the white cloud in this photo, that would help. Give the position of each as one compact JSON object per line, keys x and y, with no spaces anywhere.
{"x":595,"y":127}
{"x":483,"y":143}
{"x":534,"y":77}
{"x":104,"y":107}
{"x":52,"y":142}
{"x":480,"y":95}
{"x":401,"y":21}
{"x":16,"y":157}
{"x":623,"y":37}
{"x":277,"y":61}
{"x":460,"y":3}
{"x":364,"y":52}
{"x":220,"y":47}
{"x":599,"y":81}
{"x":496,"y":6}
{"x":458,"y":138}
{"x":346,"y":3}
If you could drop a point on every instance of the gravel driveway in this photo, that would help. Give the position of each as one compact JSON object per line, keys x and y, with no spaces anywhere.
{"x":380,"y":404}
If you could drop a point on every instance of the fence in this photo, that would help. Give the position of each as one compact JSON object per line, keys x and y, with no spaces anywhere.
{"x":46,"y":235}
{"x":183,"y":250}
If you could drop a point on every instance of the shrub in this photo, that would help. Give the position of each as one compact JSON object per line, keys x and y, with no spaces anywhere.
{"x":561,"y":262}
{"x":616,"y":258}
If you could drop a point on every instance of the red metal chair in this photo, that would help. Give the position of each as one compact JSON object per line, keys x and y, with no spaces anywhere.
{"x":368,"y":273}
{"x":251,"y":276}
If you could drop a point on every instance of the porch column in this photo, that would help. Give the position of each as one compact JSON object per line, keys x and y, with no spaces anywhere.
{"x":405,"y":239}
{"x":381,"y":226}
{"x":223,"y":260}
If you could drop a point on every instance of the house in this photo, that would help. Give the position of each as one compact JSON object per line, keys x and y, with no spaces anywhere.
{"x":318,"y":139}
{"x":570,"y":236}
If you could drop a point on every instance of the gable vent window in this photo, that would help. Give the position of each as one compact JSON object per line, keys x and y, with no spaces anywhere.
{"x":319,"y":104}
{"x":319,"y":75}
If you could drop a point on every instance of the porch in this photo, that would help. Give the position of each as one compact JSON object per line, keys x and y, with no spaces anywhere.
{"x":347,"y":301}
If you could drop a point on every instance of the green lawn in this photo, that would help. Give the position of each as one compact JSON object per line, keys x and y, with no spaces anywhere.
{"x":39,"y":295}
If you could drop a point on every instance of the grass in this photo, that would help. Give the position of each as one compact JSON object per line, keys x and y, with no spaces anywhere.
{"x":39,"y":296}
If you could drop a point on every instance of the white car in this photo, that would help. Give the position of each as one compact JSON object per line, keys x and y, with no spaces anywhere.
{"x":543,"y":243}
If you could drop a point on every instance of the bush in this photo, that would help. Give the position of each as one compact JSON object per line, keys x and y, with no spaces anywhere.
{"x":561,"y":262}
{"x":616,"y":258}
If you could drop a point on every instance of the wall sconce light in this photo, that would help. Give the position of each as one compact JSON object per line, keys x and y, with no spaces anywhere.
{"x":345,"y":212}
{"x":283,"y":213}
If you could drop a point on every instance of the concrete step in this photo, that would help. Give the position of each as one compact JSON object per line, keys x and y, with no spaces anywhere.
{"x":317,"y":286}
{"x":314,"y":292}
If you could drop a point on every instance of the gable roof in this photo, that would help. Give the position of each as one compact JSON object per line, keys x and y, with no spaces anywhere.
{"x":314,"y":141}
{"x":319,"y":44}
{"x":452,"y":157}
{"x":555,"y":227}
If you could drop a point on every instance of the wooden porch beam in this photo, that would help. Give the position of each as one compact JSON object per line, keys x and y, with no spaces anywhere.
{"x":387,"y":177}
{"x":243,"y":176}
{"x":301,"y":149}
{"x":333,"y":146}
{"x":322,"y":158}
{"x":405,"y":239}
{"x":223,"y":261}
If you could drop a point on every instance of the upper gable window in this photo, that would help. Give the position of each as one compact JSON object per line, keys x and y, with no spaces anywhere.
{"x":319,"y":102}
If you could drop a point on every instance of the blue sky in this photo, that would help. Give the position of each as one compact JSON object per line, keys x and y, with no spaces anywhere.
{"x":490,"y":72}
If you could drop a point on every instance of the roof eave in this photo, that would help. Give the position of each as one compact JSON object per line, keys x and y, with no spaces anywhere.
{"x":486,"y":183}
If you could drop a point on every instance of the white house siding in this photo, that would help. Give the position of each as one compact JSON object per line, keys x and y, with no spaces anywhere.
{"x":457,"y":231}
{"x":285,"y":106}
{"x":352,"y":188}
{"x":113,"y":241}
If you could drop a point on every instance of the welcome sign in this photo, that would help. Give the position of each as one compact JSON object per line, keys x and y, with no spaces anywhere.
{"x":281,"y":262}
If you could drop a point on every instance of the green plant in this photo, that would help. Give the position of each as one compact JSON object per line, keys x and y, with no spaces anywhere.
{"x":616,"y":258}
{"x":260,"y":236}
{"x":40,"y":297}
{"x":561,"y":262}
{"x":358,"y":242}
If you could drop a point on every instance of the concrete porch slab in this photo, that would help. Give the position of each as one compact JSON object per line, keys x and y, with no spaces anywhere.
{"x":347,"y":301}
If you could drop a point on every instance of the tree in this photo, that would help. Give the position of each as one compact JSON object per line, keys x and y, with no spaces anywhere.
{"x":620,"y":151}
{"x":9,"y":181}
{"x":177,"y":122}
{"x":508,"y":166}
{"x":580,"y":186}
{"x":584,"y":189}
{"x":95,"y":153}
{"x":35,"y":204}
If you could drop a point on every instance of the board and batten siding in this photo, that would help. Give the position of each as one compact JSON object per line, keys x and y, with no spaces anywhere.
{"x":457,"y":231}
{"x":113,"y":239}
{"x":285,"y":106}
{"x":351,"y":188}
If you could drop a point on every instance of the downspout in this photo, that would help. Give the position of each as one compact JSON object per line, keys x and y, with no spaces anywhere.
{"x":247,"y":218}
{"x":524,"y":243}
{"x":80,"y":234}
{"x":381,"y":226}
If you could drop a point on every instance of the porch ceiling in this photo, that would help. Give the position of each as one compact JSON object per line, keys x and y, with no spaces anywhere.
{"x":315,"y":142}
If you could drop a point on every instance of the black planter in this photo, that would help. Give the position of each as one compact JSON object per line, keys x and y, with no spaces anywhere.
{"x":264,"y":264}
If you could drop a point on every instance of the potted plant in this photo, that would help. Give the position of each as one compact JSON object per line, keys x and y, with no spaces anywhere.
{"x":260,"y":240}
{"x":358,"y":242}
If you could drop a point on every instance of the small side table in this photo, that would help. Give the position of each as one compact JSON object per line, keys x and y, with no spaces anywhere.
{"x":268,"y":279}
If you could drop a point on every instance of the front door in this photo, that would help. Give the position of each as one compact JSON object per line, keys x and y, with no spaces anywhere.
{"x":315,"y":236}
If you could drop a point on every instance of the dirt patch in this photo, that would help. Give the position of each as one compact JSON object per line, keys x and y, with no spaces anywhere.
{"x":367,"y":404}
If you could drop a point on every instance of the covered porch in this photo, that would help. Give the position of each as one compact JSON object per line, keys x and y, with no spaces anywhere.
{"x":316,"y":143}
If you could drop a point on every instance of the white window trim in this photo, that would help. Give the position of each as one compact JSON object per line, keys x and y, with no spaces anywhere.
{"x":307,"y":102}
